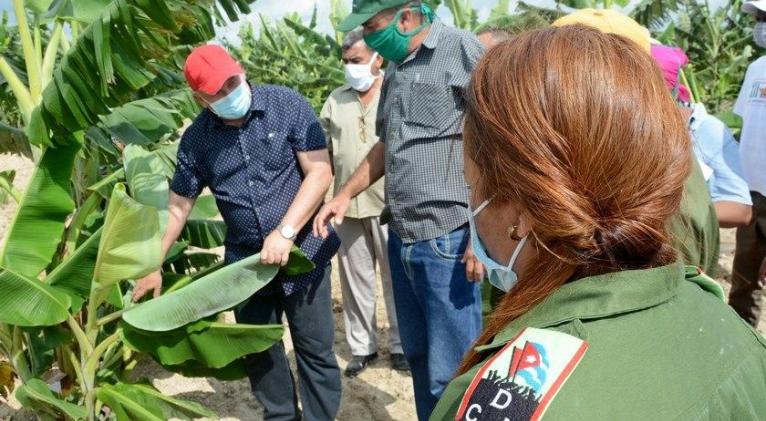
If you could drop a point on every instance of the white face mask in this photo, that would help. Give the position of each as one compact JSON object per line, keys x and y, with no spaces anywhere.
{"x":759,"y":34}
{"x":360,"y":76}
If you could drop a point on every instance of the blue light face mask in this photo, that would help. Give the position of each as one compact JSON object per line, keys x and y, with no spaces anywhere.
{"x":234,"y":105}
{"x":500,"y":276}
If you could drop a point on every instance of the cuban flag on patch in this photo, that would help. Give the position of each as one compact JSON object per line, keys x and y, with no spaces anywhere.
{"x":520,"y":381}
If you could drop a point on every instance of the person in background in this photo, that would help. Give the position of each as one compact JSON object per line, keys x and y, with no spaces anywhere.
{"x":348,"y":119}
{"x":491,"y":36}
{"x":714,"y":146}
{"x":577,"y":162}
{"x":506,"y":27}
{"x":695,"y":230}
{"x":420,"y":125}
{"x":262,"y":153}
{"x":748,"y":278}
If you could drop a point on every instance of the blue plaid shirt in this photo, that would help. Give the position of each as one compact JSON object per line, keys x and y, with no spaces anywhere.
{"x":254,"y":174}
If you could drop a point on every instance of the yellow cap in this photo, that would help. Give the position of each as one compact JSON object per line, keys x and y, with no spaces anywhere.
{"x":610,"y":22}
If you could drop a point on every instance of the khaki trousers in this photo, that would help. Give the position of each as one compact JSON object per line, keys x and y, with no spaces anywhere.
{"x":363,"y":244}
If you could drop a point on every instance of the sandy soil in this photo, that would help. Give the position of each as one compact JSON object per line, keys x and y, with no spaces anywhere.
{"x":379,"y":393}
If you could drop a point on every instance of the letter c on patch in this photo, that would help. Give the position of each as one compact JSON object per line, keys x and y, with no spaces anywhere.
{"x":468,"y":416}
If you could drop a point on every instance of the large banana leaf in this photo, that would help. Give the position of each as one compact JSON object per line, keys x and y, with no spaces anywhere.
{"x":38,"y":225}
{"x":234,"y":371}
{"x":216,"y":292}
{"x":212,"y":293}
{"x":149,"y":120}
{"x":148,"y":185}
{"x":211,"y":344}
{"x":130,"y":241}
{"x":35,"y":394}
{"x":75,"y":274}
{"x":119,"y":53}
{"x":139,"y":402}
{"x":27,"y":301}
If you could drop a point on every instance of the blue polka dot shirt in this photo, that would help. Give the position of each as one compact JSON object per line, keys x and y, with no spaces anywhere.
{"x":254,"y":174}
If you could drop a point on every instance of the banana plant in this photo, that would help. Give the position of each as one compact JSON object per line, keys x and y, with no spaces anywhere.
{"x":292,"y":53}
{"x":92,"y":215}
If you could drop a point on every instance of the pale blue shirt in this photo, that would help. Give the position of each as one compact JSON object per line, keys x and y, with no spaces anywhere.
{"x":718,"y":155}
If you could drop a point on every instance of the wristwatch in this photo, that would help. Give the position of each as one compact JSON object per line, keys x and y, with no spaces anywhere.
{"x":287,"y":232}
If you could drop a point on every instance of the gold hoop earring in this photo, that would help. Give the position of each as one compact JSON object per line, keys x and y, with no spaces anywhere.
{"x":513,"y":234}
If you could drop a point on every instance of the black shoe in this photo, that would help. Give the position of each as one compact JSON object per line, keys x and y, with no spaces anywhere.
{"x":358,"y":364}
{"x":399,"y":363}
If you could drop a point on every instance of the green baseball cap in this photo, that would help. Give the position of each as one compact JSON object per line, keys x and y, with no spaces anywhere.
{"x":364,"y":10}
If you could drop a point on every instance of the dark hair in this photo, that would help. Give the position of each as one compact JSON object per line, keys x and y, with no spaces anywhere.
{"x":352,"y":37}
{"x":584,"y":138}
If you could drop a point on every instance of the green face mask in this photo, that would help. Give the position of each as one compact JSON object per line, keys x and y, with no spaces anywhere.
{"x":391,"y":43}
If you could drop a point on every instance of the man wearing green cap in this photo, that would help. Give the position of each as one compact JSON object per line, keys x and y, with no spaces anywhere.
{"x":419,"y":124}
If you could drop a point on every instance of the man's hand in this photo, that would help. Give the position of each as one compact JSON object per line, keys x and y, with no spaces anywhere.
{"x":474,"y":270}
{"x":276,"y":249}
{"x":151,"y":282}
{"x":335,"y":209}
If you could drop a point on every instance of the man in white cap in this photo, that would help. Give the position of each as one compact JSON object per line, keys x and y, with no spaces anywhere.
{"x":749,"y":274}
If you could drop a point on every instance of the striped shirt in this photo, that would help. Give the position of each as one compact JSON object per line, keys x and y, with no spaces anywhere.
{"x":420,"y":120}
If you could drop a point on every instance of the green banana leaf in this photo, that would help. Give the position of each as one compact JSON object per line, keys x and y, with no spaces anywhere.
{"x":139,"y":402}
{"x":195,"y":262}
{"x":27,"y":301}
{"x":234,"y":371}
{"x":42,"y":345}
{"x":119,"y":53}
{"x":149,"y":120}
{"x":37,"y":228}
{"x":80,"y":10}
{"x":216,"y":292}
{"x":210,"y":344}
{"x":130,"y":241}
{"x":74,"y":275}
{"x":206,"y":234}
{"x":148,"y":185}
{"x":106,"y":185}
{"x":13,"y":140}
{"x":37,"y":396}
{"x":204,"y":208}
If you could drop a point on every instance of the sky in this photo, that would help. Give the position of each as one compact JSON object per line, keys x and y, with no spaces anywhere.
{"x":276,"y":9}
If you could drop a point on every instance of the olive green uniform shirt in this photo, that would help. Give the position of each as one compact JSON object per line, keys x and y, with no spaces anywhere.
{"x":660,"y":347}
{"x":349,"y":128}
{"x":695,"y":230}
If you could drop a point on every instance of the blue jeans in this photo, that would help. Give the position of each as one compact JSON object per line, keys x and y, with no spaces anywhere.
{"x":438,"y":309}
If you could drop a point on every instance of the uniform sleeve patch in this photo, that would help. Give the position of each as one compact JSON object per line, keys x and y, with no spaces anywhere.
{"x":520,"y":381}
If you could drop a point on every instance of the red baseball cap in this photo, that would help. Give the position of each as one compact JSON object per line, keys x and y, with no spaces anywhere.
{"x":208,"y":67}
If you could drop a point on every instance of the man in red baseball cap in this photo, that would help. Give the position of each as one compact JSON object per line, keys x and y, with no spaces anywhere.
{"x":262,"y":153}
